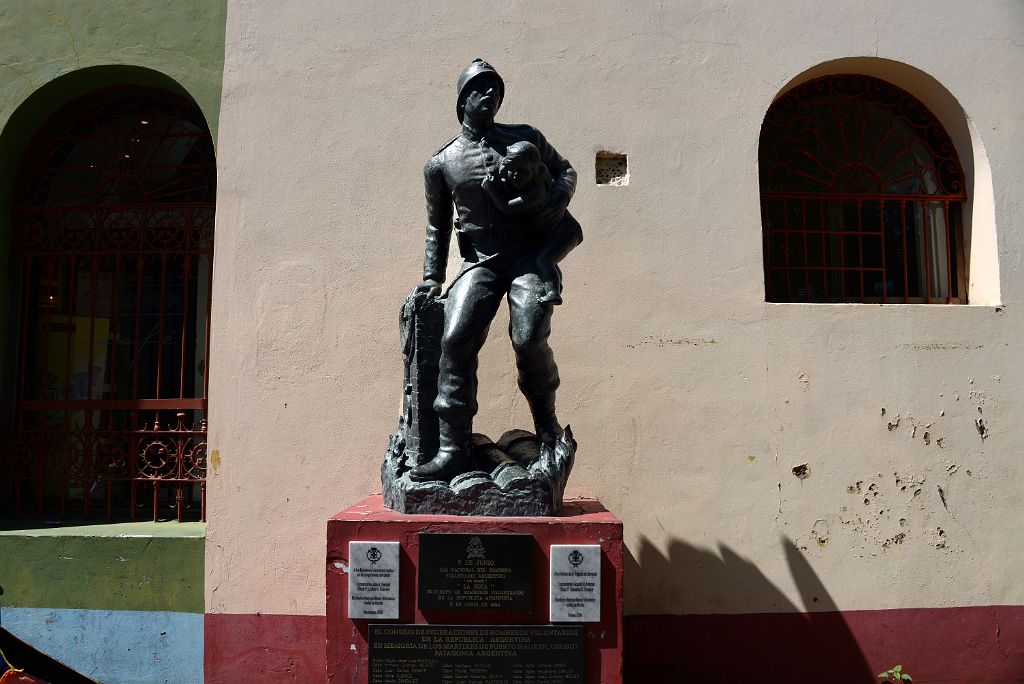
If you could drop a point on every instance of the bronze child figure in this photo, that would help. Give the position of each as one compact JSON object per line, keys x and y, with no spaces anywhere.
{"x":523,"y":184}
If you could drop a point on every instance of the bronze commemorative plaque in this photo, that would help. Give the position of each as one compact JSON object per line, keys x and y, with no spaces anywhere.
{"x":476,"y":572}
{"x":476,"y":654}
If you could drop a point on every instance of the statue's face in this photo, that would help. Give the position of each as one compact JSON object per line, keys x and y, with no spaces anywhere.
{"x":482,"y":97}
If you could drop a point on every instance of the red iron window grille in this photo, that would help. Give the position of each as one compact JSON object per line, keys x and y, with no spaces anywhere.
{"x":112,"y":233}
{"x":861,"y":197}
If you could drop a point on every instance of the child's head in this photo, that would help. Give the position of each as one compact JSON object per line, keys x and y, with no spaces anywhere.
{"x":521,"y":164}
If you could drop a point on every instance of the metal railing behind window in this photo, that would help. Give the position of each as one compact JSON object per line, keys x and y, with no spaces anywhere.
{"x":861,"y":197}
{"x":154,"y":467}
{"x":870,"y":249}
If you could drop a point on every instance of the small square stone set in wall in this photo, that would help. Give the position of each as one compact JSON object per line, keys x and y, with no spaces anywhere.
{"x":610,"y":168}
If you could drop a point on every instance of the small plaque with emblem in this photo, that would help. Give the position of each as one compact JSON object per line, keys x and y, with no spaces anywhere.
{"x":373,"y":580}
{"x":575,"y":583}
{"x":476,"y":572}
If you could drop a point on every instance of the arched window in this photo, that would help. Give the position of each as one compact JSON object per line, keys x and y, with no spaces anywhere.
{"x":112,"y":234}
{"x":861,"y":197}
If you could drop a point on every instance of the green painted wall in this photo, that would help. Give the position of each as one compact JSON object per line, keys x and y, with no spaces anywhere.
{"x":53,"y":50}
{"x":130,"y":566}
{"x":41,"y":40}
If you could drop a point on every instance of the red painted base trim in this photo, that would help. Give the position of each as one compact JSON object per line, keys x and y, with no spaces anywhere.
{"x":265,"y":648}
{"x":973,"y":645}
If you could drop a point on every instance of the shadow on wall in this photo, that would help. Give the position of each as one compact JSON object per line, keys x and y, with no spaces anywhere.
{"x":790,"y":644}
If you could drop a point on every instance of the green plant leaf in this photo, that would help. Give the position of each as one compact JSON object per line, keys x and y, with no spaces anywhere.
{"x":907,"y":677}
{"x":897,"y":669}
{"x":884,"y":675}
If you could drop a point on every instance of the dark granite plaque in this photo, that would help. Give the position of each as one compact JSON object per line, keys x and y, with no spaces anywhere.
{"x":476,"y":572}
{"x":476,"y":654}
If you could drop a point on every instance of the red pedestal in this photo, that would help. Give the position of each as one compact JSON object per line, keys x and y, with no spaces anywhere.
{"x":581,"y":522}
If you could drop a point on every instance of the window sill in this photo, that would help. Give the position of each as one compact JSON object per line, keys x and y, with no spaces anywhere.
{"x":170,"y":529}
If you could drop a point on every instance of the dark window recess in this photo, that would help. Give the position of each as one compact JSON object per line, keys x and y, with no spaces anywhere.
{"x":862,"y":197}
{"x":112,"y":227}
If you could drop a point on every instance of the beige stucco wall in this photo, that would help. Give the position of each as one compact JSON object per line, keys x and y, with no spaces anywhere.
{"x":692,"y":398}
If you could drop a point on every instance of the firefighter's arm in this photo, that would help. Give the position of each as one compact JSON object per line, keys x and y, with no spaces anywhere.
{"x":564,"y":182}
{"x":439,"y":225}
